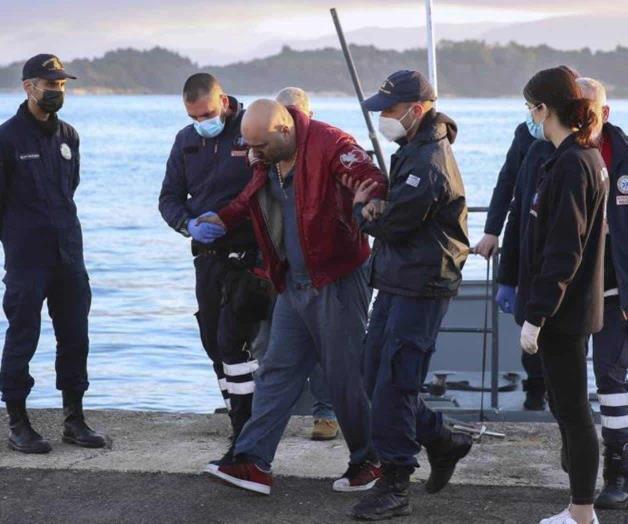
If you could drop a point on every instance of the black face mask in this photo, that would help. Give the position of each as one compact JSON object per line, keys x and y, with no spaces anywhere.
{"x":51,"y":101}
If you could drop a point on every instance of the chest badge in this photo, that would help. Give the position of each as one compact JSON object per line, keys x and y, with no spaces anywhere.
{"x":622,"y":184}
{"x":66,"y":152}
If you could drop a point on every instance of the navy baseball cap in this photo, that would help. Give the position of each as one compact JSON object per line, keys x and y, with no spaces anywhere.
{"x":45,"y":66}
{"x":402,"y":86}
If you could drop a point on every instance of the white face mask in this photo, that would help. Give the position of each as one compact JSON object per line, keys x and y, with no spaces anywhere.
{"x":391,"y":128}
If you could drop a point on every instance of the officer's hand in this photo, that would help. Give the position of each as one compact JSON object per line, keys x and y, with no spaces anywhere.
{"x":530,"y":338}
{"x":505,"y":298}
{"x":625,"y":313}
{"x":487,"y":246}
{"x":373,"y":210}
{"x":203,"y":231}
{"x":363,"y":193}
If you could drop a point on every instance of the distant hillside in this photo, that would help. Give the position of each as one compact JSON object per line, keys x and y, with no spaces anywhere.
{"x":470,"y":68}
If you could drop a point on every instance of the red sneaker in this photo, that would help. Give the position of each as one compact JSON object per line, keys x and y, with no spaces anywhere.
{"x":245,"y":475}
{"x":358,"y":477}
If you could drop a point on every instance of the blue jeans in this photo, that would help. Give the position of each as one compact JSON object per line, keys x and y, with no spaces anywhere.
{"x":322,"y":407}
{"x":311,"y":325}
{"x":398,"y":348}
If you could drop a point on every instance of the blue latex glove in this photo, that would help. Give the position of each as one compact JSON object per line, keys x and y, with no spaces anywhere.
{"x":205,"y":233}
{"x":505,"y":298}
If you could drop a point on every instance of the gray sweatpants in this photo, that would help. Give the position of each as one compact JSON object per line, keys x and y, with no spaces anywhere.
{"x":312,"y":325}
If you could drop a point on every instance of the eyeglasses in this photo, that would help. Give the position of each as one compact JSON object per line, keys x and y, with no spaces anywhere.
{"x":531,"y":107}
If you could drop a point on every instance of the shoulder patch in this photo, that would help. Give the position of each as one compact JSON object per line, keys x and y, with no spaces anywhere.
{"x":66,"y":152}
{"x":354,"y":157}
{"x":622,"y":184}
{"x":413,"y":180}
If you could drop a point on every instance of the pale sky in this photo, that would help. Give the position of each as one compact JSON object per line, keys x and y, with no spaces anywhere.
{"x":219,"y":31}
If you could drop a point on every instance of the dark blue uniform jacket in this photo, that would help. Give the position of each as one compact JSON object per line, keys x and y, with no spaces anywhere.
{"x":39,"y":173}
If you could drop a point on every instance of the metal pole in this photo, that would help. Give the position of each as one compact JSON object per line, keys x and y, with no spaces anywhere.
{"x":431,"y":46}
{"x":494,"y":336}
{"x":358,"y":91}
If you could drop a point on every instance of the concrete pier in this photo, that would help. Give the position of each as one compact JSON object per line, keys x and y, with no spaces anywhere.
{"x":153,"y":473}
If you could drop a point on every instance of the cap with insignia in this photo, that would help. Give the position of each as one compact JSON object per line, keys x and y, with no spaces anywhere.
{"x":45,"y":66}
{"x":402,"y":86}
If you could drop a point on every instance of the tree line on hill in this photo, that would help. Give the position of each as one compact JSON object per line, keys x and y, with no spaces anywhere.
{"x":465,"y":69}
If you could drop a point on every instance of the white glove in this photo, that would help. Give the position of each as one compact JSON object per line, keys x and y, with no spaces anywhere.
{"x":529,"y":338}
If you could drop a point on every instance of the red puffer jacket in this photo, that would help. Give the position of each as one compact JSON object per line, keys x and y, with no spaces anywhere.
{"x":331,"y":241}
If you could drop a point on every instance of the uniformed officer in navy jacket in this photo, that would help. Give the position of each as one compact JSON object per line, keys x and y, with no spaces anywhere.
{"x":43,"y":254}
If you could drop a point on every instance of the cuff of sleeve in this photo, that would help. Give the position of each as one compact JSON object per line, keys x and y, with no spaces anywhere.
{"x":535,"y":320}
{"x":491,"y":231}
{"x":357,"y":214}
{"x":226,"y":217}
{"x":182,"y":227}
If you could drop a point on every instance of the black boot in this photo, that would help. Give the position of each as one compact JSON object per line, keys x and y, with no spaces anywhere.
{"x":388,"y":498}
{"x":75,"y":430}
{"x":535,"y":394}
{"x":22,"y":437}
{"x":227,"y":458}
{"x":443,"y":455}
{"x":239,"y":414}
{"x":614,"y":495}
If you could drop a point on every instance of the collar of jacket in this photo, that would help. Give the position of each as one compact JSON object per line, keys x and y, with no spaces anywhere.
{"x":47,"y":128}
{"x":619,"y":141}
{"x":236,"y":112}
{"x":566,"y":144}
{"x":433,"y":127}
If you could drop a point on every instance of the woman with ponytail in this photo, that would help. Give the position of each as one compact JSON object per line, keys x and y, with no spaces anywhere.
{"x":563,"y":256}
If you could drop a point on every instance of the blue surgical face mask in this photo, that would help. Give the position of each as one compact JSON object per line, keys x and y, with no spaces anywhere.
{"x":536,"y":130}
{"x":210,"y":128}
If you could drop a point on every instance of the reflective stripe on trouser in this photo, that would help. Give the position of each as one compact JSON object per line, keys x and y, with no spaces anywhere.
{"x":225,"y":336}
{"x":610,"y":361}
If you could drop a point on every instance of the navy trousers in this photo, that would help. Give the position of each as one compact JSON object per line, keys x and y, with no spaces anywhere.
{"x":610,"y":361}
{"x":67,"y":291}
{"x":231,"y":305}
{"x":400,"y":341}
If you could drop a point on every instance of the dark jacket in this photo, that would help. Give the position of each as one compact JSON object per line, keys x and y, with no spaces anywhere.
{"x":421,"y":238}
{"x":205,"y":174}
{"x":517,"y":224}
{"x":564,"y":247}
{"x":39,"y":173}
{"x":616,"y":253}
{"x":332,"y":244}
{"x":616,"y":274}
{"x":502,"y":194}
